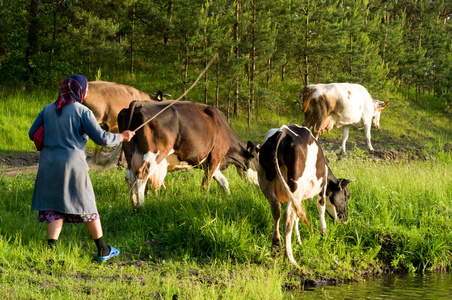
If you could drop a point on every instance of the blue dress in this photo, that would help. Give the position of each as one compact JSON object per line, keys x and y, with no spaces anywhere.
{"x":62,"y":182}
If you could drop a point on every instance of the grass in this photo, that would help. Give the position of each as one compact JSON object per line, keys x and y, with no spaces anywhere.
{"x":187,"y":244}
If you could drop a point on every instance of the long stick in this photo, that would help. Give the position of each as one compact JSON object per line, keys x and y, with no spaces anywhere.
{"x":185,"y":93}
{"x":110,"y":157}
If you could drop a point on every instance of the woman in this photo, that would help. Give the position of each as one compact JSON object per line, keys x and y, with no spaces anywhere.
{"x":63,"y":190}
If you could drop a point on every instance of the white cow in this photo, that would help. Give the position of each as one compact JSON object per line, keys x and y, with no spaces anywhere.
{"x":326,"y":106}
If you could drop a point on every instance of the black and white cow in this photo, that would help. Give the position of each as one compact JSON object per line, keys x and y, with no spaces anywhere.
{"x":292,"y":167}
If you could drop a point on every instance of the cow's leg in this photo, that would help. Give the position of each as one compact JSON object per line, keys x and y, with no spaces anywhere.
{"x":321,"y":209}
{"x":275,"y":206}
{"x":297,"y":231}
{"x":145,"y":171}
{"x":222,"y":181}
{"x":121,"y":157}
{"x":212,"y":166}
{"x":316,"y":130}
{"x":301,"y":213}
{"x":130,"y":180}
{"x":157,"y":179}
{"x":268,"y":189}
{"x":289,"y":219}
{"x":276,"y":213}
{"x":345,"y":131}
{"x":367,"y":128}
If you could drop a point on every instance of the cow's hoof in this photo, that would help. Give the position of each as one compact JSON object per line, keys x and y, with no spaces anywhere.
{"x":276,"y":250}
{"x":293,"y":262}
{"x":138,"y":207}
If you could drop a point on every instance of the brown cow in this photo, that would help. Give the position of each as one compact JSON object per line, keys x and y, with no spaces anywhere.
{"x":106,"y":99}
{"x":186,"y":135}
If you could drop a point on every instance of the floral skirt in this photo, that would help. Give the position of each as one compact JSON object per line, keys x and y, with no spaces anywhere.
{"x":51,"y":215}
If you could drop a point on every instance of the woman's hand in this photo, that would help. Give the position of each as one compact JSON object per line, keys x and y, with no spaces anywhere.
{"x":126,"y":135}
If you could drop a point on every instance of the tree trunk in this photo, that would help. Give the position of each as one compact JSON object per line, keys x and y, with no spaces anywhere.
{"x":229,"y":104}
{"x":217,"y":88}
{"x":170,"y":19}
{"x":269,"y":71}
{"x":236,"y":38}
{"x":186,"y":66}
{"x":306,"y":54}
{"x":385,"y":21}
{"x":132,"y":39}
{"x":283,"y":71}
{"x":206,"y":78}
{"x":249,"y":93}
{"x":253,"y":64}
{"x":351,"y":56}
{"x":32,"y":39}
{"x":54,"y":34}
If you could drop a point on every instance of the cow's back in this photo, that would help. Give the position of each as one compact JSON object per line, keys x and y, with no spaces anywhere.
{"x":106,"y":99}
{"x":193,"y":129}
{"x":298,"y":152}
{"x":334,"y":105}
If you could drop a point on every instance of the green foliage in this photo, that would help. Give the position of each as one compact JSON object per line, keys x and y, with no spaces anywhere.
{"x":380,"y":45}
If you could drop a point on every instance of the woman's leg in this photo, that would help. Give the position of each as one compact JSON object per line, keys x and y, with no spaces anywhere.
{"x":95,"y":229}
{"x":53,"y":231}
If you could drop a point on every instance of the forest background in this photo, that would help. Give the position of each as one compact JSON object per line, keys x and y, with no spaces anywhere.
{"x":268,"y":49}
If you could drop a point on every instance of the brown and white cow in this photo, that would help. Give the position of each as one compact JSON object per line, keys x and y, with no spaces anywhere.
{"x":106,"y":99}
{"x":186,"y":135}
{"x":340,"y":104}
{"x":292,"y":167}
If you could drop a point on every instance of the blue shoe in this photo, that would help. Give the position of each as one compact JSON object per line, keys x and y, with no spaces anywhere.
{"x":113,"y":253}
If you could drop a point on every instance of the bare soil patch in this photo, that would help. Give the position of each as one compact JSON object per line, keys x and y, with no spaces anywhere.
{"x":27,"y":162}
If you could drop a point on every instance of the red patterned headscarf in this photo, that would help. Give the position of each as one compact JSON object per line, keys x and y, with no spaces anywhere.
{"x":72,"y":89}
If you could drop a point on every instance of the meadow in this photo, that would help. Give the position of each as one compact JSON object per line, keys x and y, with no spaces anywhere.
{"x":190,"y":244}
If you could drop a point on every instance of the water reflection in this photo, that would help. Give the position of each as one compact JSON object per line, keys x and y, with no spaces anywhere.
{"x":409,"y":286}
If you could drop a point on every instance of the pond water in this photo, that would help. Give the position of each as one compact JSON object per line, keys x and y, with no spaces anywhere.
{"x":407,"y":286}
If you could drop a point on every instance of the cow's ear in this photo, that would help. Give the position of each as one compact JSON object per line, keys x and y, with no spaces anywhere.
{"x":252,"y":148}
{"x":383,"y":105}
{"x":344,"y":182}
{"x":159,"y":95}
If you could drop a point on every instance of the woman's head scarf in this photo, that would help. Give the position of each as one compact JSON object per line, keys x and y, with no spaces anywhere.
{"x":73,"y":89}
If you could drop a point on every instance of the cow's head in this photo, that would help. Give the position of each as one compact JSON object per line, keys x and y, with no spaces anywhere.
{"x":250,"y":163}
{"x":338,"y":195}
{"x":378,"y":107}
{"x":159,"y":96}
{"x":252,"y":150}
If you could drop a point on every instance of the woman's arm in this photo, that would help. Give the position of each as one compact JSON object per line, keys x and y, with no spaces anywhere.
{"x":36,"y":124}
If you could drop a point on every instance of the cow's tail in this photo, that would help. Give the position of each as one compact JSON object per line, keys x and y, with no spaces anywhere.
{"x":98,"y":159}
{"x":132,"y":106}
{"x":107,"y":160}
{"x":301,"y":213}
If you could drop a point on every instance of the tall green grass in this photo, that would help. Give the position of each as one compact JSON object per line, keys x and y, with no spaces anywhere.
{"x":19,"y":109}
{"x":211,"y":245}
{"x":191,"y":244}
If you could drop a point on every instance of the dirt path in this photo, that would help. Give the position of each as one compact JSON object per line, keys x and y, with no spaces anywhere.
{"x":27,"y":162}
